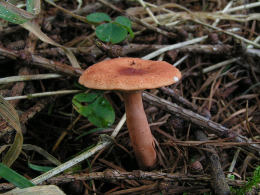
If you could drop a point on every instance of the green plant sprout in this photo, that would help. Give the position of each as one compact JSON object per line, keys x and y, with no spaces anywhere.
{"x":110,"y":31}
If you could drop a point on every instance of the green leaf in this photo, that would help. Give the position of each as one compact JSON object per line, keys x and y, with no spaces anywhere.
{"x":111,"y":32}
{"x":14,"y":178}
{"x":85,"y":111}
{"x":102,"y":114}
{"x":96,"y":108}
{"x":85,"y":97}
{"x":39,"y":168}
{"x":13,"y":14}
{"x":125,"y":22}
{"x":98,"y":17}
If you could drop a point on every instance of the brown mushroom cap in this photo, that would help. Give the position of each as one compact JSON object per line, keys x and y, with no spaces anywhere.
{"x":129,"y":74}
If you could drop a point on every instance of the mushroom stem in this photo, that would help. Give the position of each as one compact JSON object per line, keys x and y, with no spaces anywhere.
{"x":139,"y":130}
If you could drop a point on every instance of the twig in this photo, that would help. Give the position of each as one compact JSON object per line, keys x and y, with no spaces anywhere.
{"x":175,"y":46}
{"x":194,"y":49}
{"x":41,"y":62}
{"x":179,"y":17}
{"x":72,"y":14}
{"x":31,"y":112}
{"x":43,"y":94}
{"x":223,"y":11}
{"x":256,"y":41}
{"x":180,"y":99}
{"x":218,"y":182}
{"x":227,"y":10}
{"x":134,"y":175}
{"x":228,"y":33}
{"x":219,"y":65}
{"x":181,"y":60}
{"x":25,"y":116}
{"x":28,"y":78}
{"x":148,"y":11}
{"x":253,"y":52}
{"x":232,"y":165}
{"x":17,"y":88}
{"x":134,"y":48}
{"x":124,"y":175}
{"x":243,"y":7}
{"x":199,"y":120}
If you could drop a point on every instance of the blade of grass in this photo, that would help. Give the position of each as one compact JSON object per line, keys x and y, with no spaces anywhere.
{"x":42,"y":152}
{"x":13,"y":14}
{"x":14,"y":178}
{"x":36,"y":30}
{"x":39,"y":168}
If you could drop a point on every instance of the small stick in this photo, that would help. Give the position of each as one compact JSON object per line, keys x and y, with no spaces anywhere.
{"x":32,"y":59}
{"x":199,"y":120}
{"x":175,"y":46}
{"x":148,"y":11}
{"x":228,"y":33}
{"x":28,"y":78}
{"x":43,"y":94}
{"x":219,"y":65}
{"x":111,"y":174}
{"x":218,"y":182}
{"x":124,"y":175}
{"x":234,"y":161}
{"x":242,"y":7}
{"x":179,"y":99}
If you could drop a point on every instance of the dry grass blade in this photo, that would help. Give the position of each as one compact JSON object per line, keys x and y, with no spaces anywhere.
{"x":42,"y":152}
{"x":198,"y":15}
{"x":9,"y":114}
{"x":229,"y":33}
{"x":50,"y":93}
{"x":36,"y":30}
{"x":40,"y":190}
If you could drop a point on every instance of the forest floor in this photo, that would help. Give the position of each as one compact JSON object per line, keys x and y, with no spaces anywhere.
{"x":206,"y":126}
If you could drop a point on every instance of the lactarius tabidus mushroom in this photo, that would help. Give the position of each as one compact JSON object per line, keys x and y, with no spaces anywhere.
{"x":131,"y":76}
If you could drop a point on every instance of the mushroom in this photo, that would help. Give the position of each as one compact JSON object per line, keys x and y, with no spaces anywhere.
{"x":131,"y":76}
